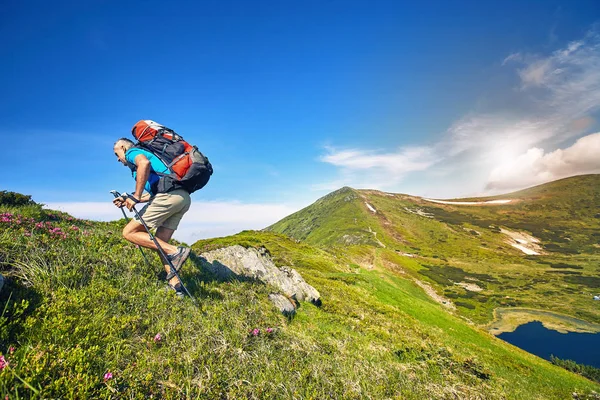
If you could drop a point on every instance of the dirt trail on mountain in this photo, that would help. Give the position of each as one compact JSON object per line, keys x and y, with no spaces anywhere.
{"x":434,"y":295}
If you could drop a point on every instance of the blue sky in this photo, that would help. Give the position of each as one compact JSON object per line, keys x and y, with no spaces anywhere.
{"x":291,"y":100}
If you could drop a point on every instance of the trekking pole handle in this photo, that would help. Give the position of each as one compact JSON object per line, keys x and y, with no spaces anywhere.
{"x":122,"y":196}
{"x":115,"y":193}
{"x":126,"y":196}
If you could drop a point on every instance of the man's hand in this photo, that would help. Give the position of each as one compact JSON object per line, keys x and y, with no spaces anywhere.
{"x":119,"y":202}
{"x":129,"y":203}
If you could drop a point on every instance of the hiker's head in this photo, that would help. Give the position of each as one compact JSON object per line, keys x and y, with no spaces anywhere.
{"x":121,"y":147}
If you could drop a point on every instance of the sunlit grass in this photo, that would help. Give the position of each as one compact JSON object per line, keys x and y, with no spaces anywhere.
{"x":82,"y":312}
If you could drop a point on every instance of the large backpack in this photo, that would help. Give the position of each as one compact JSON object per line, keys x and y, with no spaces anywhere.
{"x":189,"y":168}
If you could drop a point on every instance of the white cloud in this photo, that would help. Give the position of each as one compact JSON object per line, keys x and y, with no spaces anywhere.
{"x":557,"y":96}
{"x":559,"y":91}
{"x":99,"y":211}
{"x":534,"y":167}
{"x":404,"y":160}
{"x":563,"y":66}
{"x":203,"y":220}
{"x":373,"y":169}
{"x":512,"y":57}
{"x":485,"y":134}
{"x":556,"y":100}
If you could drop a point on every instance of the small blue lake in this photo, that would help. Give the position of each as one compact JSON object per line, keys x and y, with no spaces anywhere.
{"x":583,"y":348}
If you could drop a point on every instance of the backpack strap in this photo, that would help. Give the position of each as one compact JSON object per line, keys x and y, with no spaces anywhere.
{"x":131,"y":166}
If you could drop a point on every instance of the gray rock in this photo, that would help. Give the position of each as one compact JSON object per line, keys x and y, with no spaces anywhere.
{"x":237,"y":261}
{"x":283,"y":304}
{"x":300,"y":290}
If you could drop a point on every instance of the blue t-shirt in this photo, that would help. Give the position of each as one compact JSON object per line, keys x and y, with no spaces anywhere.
{"x":155,"y":166}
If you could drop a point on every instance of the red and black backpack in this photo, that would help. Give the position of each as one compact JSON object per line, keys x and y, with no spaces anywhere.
{"x":189,"y":168}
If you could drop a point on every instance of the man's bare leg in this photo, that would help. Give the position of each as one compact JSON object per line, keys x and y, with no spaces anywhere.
{"x":136,"y":233}
{"x":164,"y":234}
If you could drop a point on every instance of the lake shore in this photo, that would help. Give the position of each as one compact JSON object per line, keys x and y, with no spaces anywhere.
{"x":508,"y":319}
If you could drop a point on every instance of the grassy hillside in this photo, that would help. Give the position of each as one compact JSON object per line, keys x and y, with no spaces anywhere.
{"x":458,"y":246}
{"x":335,"y":219}
{"x":83,"y":317}
{"x":564,"y":214}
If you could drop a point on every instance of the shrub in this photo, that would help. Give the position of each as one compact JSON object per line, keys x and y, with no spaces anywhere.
{"x":13,"y":199}
{"x":588,"y":371}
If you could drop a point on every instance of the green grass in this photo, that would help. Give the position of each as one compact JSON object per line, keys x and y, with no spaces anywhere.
{"x":320,"y":223}
{"x":81,"y":304}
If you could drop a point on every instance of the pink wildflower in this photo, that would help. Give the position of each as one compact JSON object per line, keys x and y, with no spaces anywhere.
{"x":108,"y":376}
{"x":157,"y":338}
{"x":3,"y":363}
{"x":27,"y":234}
{"x":74,"y":228}
{"x":255,"y":332}
{"x":269,"y":330}
{"x":39,"y":225}
{"x":11,"y":350}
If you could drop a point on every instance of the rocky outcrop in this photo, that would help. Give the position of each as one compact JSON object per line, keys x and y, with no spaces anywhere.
{"x":239,"y":262}
{"x":284,"y":304}
{"x":296,"y":287}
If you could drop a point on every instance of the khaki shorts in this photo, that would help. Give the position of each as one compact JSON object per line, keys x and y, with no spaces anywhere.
{"x":166,"y":209}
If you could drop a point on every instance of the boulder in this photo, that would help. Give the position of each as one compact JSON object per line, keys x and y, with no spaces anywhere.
{"x":237,"y":261}
{"x":298,"y":288}
{"x":284,"y":304}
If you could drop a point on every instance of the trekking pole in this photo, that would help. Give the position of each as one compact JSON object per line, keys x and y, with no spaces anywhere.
{"x":158,"y":246}
{"x":117,"y":195}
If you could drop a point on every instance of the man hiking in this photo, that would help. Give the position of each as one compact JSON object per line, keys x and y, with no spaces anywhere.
{"x":163,"y":211}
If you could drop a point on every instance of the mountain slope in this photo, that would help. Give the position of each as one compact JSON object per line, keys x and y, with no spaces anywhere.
{"x":474,"y":254}
{"x":337,"y":218}
{"x":80,"y":303}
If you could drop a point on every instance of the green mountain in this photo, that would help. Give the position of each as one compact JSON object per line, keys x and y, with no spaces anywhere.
{"x":82,"y":315}
{"x":491,"y":245}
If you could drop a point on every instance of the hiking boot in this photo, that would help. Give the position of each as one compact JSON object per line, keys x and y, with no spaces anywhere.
{"x":178,"y":288}
{"x":177,"y":259}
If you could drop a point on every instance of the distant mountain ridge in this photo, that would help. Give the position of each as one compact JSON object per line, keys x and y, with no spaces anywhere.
{"x":546,"y":237}
{"x":569,"y":199}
